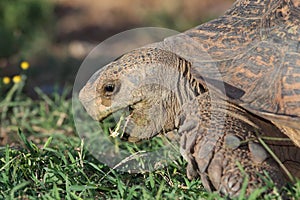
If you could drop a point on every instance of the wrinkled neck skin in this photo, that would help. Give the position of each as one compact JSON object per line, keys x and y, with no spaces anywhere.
{"x":165,"y":90}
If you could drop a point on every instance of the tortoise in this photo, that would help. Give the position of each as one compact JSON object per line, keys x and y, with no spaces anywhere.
{"x":226,"y":87}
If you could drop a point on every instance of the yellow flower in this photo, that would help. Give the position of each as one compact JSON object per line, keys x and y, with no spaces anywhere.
{"x":6,"y":80}
{"x":17,"y":79}
{"x":24,"y":65}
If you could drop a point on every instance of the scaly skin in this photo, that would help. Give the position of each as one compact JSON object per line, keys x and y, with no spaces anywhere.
{"x":163,"y":95}
{"x":217,"y":136}
{"x":143,"y":81}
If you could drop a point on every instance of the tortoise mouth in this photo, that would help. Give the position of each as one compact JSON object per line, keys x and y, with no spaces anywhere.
{"x":117,"y":122}
{"x":122,"y":123}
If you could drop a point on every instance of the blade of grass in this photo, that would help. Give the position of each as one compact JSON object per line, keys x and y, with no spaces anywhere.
{"x":48,"y":142}
{"x":276,"y":159}
{"x":44,"y":96}
{"x":18,"y":187}
{"x":31,"y":147}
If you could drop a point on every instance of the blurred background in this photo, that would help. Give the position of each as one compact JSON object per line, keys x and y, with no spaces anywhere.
{"x":54,"y":36}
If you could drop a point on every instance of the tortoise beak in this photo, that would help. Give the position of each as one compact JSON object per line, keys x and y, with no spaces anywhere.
{"x":92,"y":103}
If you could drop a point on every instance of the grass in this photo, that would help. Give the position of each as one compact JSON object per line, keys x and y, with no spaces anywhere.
{"x":71,"y":173}
{"x":45,"y":159}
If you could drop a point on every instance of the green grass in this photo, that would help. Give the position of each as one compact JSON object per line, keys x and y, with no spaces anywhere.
{"x":45,"y":159}
{"x":69,"y":172}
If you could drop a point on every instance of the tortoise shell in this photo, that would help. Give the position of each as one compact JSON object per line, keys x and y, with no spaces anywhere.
{"x":255,"y":47}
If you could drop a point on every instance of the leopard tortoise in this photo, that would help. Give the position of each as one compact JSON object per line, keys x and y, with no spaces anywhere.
{"x":228,"y":87}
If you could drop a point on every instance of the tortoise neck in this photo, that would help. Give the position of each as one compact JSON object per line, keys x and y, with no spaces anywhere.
{"x":188,"y":87}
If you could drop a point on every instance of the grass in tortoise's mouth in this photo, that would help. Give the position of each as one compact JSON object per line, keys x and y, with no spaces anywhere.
{"x":116,"y":123}
{"x":114,"y":126}
{"x":118,"y":126}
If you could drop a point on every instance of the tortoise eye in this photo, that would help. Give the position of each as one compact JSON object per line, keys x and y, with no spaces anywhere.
{"x":109,"y":88}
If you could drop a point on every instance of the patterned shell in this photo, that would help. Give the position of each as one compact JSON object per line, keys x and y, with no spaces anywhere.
{"x":255,"y":47}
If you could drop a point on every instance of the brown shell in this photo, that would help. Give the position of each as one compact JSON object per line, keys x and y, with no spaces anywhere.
{"x":256,"y":48}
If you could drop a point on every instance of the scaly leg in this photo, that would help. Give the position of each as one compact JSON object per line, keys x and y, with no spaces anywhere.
{"x":219,"y":142}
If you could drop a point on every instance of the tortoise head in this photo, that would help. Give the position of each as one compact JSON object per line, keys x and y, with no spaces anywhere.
{"x":144,"y":83}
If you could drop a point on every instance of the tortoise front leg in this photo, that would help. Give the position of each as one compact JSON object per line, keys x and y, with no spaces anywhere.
{"x":219,"y":142}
